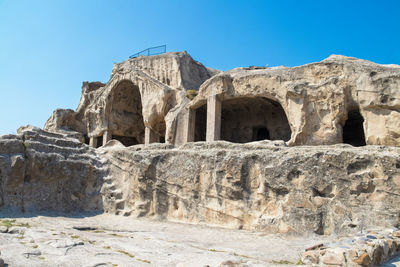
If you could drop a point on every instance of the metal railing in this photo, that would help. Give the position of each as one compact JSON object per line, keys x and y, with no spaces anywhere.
{"x":156,"y":50}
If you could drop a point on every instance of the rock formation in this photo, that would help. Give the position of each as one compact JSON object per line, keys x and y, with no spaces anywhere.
{"x":261,"y":186}
{"x":337,"y":100}
{"x":46,"y":171}
{"x":257,"y":148}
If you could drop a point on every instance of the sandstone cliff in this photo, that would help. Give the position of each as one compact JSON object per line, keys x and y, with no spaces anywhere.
{"x":317,"y":99}
{"x":264,"y":186}
{"x":135,"y":147}
{"x":338,"y":100}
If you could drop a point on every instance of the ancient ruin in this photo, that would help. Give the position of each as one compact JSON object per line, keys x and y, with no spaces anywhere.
{"x":338,"y":100}
{"x":289,"y":150}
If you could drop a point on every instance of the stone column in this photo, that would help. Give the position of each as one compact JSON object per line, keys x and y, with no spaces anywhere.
{"x":93,"y":141}
{"x":213,"y":118}
{"x":150,"y":136}
{"x":190,"y":124}
{"x":106,"y":137}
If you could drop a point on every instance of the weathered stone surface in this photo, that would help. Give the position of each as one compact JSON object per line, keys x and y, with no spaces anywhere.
{"x":264,"y":186}
{"x":363,"y":260}
{"x":151,"y":243}
{"x":278,"y":185}
{"x":139,"y":93}
{"x":46,"y":171}
{"x":364,"y":249}
{"x":338,"y":100}
{"x":318,"y":98}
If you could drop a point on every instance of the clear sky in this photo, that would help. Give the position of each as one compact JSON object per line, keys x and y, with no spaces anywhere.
{"x":48,"y":47}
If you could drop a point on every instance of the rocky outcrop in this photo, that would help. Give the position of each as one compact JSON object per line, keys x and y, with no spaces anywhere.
{"x":338,"y":100}
{"x":368,"y":248}
{"x":319,"y":98}
{"x":263,"y":186}
{"x":46,"y":171}
{"x":153,"y":85}
{"x":299,"y":179}
{"x":175,"y":69}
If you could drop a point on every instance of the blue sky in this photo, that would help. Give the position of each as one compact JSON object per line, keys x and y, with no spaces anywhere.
{"x":47,"y":48}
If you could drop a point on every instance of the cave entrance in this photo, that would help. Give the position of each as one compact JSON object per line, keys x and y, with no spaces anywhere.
{"x":126,"y":140}
{"x":126,"y":119}
{"x":253,"y":119}
{"x":99,"y":141}
{"x":260,"y":133}
{"x":160,"y":129}
{"x":86,"y":139}
{"x":200,"y":123}
{"x":353,"y":129}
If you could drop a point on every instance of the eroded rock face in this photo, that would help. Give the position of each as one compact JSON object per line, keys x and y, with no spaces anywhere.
{"x":338,"y":100}
{"x":263,"y":186}
{"x":274,"y":186}
{"x":45,"y":171}
{"x":318,"y":98}
{"x":140,"y":92}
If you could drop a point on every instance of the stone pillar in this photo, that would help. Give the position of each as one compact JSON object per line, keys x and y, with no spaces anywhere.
{"x":93,"y":141}
{"x":150,"y":136}
{"x":213,"y":118}
{"x":190,"y":124}
{"x":106,"y":137}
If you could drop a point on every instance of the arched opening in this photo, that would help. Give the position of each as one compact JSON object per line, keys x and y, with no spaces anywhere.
{"x":353,"y":130}
{"x":126,"y":120}
{"x":200,"y":123}
{"x":159,"y":129}
{"x":99,"y":141}
{"x":253,"y":119}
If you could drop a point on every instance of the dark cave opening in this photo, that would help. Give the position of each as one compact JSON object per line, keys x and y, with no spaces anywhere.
{"x":249,"y":119}
{"x":353,"y":130}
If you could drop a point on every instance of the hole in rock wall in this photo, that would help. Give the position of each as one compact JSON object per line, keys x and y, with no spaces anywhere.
{"x":86,"y":139}
{"x":160,"y":130}
{"x":99,"y":141}
{"x":201,"y":124}
{"x":126,"y":140}
{"x":126,"y":119}
{"x":353,"y":130}
{"x":253,"y":119}
{"x":260,"y":133}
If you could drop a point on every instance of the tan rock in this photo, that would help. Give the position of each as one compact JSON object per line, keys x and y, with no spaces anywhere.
{"x":48,"y":171}
{"x":332,"y":259}
{"x":234,"y":185}
{"x":396,"y":234}
{"x":337,"y":100}
{"x":138,"y":95}
{"x":363,"y":260}
{"x":311,"y":257}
